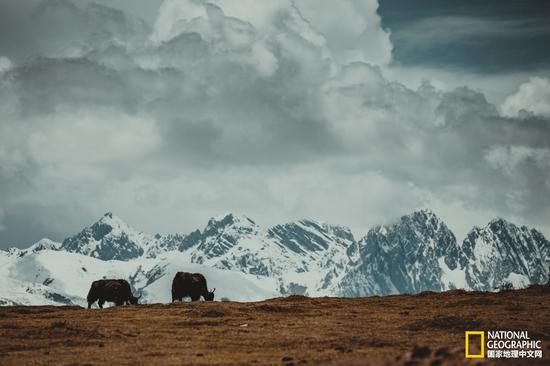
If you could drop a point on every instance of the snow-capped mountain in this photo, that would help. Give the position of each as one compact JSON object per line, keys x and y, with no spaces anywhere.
{"x":416,"y":254}
{"x":503,"y":252}
{"x":111,"y":238}
{"x":220,"y":236}
{"x":301,"y":256}
{"x":420,"y":253}
{"x":42,"y":244}
{"x":246,"y":261}
{"x":59,"y":277}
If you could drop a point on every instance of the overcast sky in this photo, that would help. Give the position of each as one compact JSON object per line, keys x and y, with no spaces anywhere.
{"x":170,"y":112}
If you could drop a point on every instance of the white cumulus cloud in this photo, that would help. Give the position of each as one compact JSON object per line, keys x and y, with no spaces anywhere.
{"x":532,"y":96}
{"x":277,"y":109}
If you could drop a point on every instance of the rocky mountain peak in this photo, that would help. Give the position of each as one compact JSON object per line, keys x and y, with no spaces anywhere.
{"x":45,"y":244}
{"x":500,"y":223}
{"x":108,"y":238}
{"x":418,"y":252}
{"x":302,"y":236}
{"x":409,"y":256}
{"x":230,"y":222}
{"x":229,"y":219}
{"x":425,"y":219}
{"x":340,"y":231}
{"x":220,"y":235}
{"x":41,"y":245}
{"x":114,"y":222}
{"x":503,"y":252}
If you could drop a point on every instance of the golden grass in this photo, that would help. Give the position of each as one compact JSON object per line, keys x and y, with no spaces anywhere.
{"x":291,"y":331}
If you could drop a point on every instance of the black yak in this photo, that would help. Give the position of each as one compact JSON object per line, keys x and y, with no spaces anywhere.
{"x":191,"y":285}
{"x":117,"y":291}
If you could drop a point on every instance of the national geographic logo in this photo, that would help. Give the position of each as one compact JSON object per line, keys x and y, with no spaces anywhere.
{"x":501,"y":344}
{"x":474,"y":333}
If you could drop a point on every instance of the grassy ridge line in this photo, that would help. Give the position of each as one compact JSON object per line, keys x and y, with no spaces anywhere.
{"x":279,"y":331}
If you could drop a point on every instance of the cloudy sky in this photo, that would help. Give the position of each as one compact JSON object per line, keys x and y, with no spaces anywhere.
{"x":352,"y":112}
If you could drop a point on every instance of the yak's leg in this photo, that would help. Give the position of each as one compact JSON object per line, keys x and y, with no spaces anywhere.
{"x":100,"y":303}
{"x":176,"y":297}
{"x":119,"y":303}
{"x":91,"y":300}
{"x":195,"y":298}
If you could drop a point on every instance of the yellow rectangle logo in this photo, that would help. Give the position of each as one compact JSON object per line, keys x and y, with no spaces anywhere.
{"x":467,"y":344}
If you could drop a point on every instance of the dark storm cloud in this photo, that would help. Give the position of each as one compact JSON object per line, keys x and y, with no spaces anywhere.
{"x":483,"y":36}
{"x":241,"y":119}
{"x":480,"y":135}
{"x":222,"y":107}
{"x":34,"y":28}
{"x":48,"y":84}
{"x":28,"y":223}
{"x":471,"y":152}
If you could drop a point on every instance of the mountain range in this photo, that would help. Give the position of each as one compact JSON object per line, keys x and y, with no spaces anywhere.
{"x":247,"y":262}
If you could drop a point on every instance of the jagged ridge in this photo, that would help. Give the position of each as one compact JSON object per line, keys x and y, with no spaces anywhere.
{"x":417,"y":253}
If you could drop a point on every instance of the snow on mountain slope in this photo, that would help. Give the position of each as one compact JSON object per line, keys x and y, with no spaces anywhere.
{"x":416,"y":254}
{"x":42,"y":244}
{"x":299,"y":257}
{"x":163,"y":243}
{"x":15,"y":292}
{"x":67,"y":273}
{"x":303,"y":256}
{"x":153,"y":278}
{"x":420,"y":253}
{"x":503,"y":252}
{"x":247,"y":262}
{"x":111,"y":238}
{"x":58,"y":277}
{"x":220,"y":235}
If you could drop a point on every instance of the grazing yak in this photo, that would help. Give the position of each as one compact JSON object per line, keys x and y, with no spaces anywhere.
{"x":117,"y":291}
{"x":191,"y":285}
